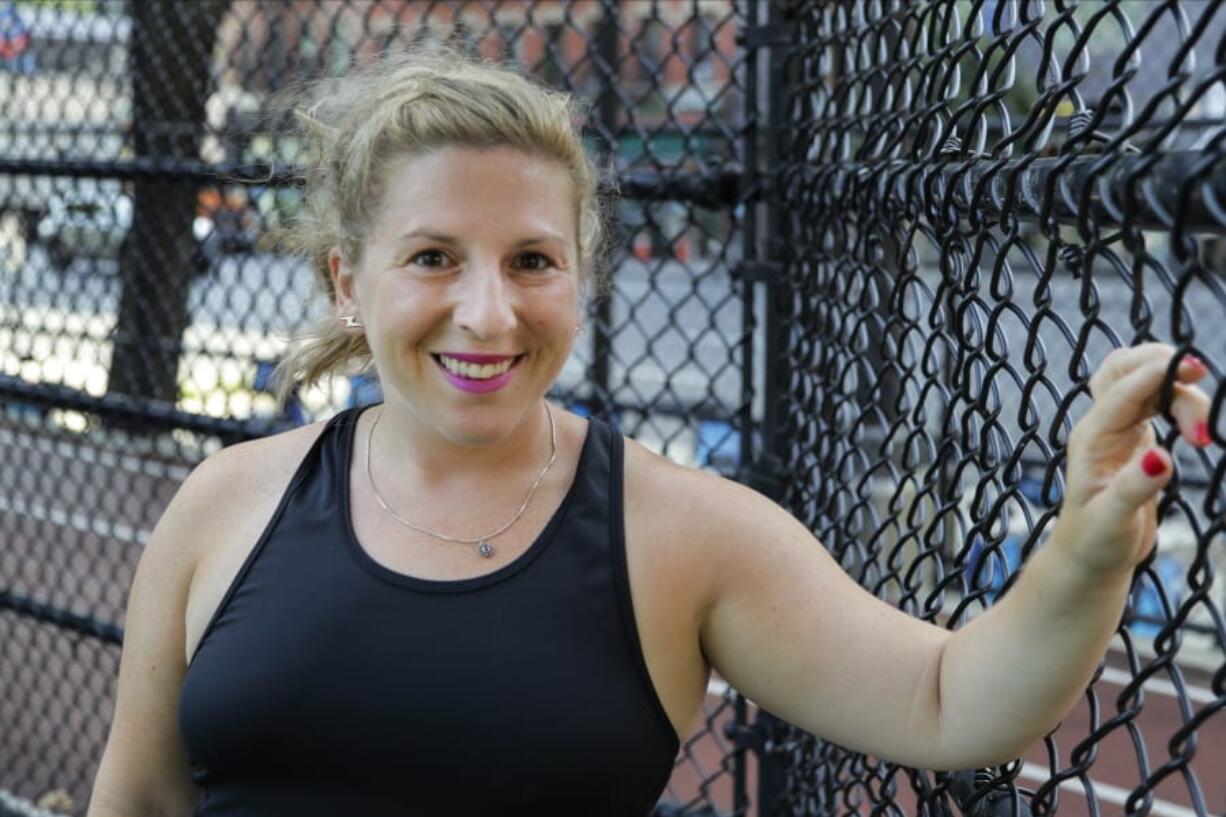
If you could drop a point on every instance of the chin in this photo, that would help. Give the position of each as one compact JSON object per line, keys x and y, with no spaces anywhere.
{"x":478,"y":428}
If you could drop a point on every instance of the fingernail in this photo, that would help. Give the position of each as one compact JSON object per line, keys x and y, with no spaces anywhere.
{"x":1202,"y":433}
{"x":1193,"y":360}
{"x":1152,"y":463}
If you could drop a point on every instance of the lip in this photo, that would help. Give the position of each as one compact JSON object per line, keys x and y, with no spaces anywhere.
{"x":473,"y":357}
{"x":479,"y":386}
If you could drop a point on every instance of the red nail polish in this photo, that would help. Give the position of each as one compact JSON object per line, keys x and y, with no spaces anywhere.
{"x":1202,"y":433}
{"x":1152,"y":463}
{"x":1193,"y":360}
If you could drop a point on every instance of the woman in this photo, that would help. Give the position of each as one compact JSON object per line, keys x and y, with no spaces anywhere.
{"x":465,"y":600}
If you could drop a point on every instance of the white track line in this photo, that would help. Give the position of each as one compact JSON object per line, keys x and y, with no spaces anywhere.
{"x":1195,"y":694}
{"x":18,"y":805}
{"x":1106,"y":792}
{"x":94,"y":455}
{"x":85,"y":523}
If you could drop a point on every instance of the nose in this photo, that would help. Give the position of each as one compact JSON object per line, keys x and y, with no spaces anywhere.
{"x":484,"y":304}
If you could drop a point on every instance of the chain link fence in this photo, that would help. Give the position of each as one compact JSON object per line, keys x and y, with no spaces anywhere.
{"x":142,"y":310}
{"x":867,"y":255}
{"x":979,"y":200}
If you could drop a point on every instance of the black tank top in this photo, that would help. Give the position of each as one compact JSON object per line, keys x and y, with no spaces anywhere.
{"x":328,"y":684}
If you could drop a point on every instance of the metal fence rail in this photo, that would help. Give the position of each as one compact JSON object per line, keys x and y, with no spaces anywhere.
{"x":978,"y":201}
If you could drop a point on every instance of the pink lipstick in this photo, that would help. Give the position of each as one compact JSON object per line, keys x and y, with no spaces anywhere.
{"x":478,"y":386}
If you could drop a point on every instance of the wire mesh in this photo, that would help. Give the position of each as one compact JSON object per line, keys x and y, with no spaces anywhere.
{"x":979,"y":200}
{"x":142,"y":311}
{"x":967,"y":205}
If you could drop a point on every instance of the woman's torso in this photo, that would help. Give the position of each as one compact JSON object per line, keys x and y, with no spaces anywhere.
{"x":665,"y":593}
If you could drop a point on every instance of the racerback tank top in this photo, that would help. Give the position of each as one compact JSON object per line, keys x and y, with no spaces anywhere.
{"x":329,"y":684}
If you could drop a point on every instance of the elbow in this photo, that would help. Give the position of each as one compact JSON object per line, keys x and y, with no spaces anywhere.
{"x":936,"y":702}
{"x":961,"y":735}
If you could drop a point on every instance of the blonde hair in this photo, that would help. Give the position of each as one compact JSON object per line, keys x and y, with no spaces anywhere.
{"x":405,"y":105}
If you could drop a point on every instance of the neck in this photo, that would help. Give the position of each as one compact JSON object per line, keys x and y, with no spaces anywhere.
{"x":404,"y":445}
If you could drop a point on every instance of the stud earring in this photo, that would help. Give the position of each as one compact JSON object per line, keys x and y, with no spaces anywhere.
{"x":351,"y":322}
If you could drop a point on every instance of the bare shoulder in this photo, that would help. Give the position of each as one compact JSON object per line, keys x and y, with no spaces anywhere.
{"x":651,"y":475}
{"x":243,"y":479}
{"x":704,"y":517}
{"x":701,"y":500}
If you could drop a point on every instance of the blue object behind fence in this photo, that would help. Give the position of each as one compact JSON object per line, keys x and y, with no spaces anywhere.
{"x":1004,"y":563}
{"x":364,"y":390}
{"x":719,"y":444}
{"x":1148,"y":615}
{"x":265,"y":380}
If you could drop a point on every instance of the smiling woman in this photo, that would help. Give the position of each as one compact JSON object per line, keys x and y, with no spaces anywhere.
{"x":365,"y":128}
{"x":487,"y":274}
{"x":465,"y":600}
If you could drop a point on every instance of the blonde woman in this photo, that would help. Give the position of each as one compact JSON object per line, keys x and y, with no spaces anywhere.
{"x":466,"y":600}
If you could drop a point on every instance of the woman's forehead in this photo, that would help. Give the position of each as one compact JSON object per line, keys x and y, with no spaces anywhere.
{"x":461,"y":189}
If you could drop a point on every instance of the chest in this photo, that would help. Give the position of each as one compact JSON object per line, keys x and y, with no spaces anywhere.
{"x":664,"y":605}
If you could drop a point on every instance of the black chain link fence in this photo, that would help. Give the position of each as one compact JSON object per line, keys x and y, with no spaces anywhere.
{"x":979,"y":200}
{"x":868,"y":253}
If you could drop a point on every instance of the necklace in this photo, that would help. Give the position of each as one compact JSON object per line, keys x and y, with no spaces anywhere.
{"x":482,"y":542}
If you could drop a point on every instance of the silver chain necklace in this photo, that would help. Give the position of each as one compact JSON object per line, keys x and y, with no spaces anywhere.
{"x":482,"y":542}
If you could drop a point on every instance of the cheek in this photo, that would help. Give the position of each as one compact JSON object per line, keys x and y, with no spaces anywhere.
{"x":410,"y":309}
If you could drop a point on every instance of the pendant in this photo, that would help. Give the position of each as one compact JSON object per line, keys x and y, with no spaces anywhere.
{"x":485,"y":549}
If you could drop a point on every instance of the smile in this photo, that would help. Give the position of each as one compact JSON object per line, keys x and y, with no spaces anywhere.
{"x":476,"y":371}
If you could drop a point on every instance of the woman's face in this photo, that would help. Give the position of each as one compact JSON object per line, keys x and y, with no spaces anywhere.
{"x":471,"y":264}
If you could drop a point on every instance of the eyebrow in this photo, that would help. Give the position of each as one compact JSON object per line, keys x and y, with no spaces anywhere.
{"x":443,"y":238}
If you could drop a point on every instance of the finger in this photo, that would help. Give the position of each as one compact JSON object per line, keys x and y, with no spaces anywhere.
{"x":1190,"y":408}
{"x":1139,"y":481}
{"x":1123,"y":361}
{"x":1135,"y":397}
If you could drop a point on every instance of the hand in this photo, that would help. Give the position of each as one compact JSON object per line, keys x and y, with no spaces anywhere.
{"x":1115,"y":470}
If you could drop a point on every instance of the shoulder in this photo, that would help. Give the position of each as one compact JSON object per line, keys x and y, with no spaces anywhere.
{"x":234,"y":486}
{"x":708,"y":521}
{"x":236,"y":468}
{"x":704,"y":500}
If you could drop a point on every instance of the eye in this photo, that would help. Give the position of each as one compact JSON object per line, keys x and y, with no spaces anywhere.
{"x":429,"y":258}
{"x":534,"y":262}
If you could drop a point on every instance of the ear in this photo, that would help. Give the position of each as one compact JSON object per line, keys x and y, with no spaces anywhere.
{"x":342,"y":283}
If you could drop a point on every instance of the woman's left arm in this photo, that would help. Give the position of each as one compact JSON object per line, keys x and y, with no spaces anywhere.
{"x":1017,"y":670}
{"x":788,"y":628}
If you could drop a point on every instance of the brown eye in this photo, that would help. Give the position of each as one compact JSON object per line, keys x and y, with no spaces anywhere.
{"x":429,"y":258}
{"x":534,"y":262}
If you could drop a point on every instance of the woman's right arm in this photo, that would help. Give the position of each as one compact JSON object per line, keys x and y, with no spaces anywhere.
{"x":144,"y":768}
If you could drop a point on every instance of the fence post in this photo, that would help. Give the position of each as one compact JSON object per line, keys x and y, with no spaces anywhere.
{"x":171,"y":47}
{"x":767,"y":33}
{"x":607,"y":37}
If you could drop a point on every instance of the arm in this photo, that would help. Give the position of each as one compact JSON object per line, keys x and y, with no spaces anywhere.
{"x":144,"y":767}
{"x":1011,"y":675}
{"x":1018,"y":669}
{"x":790,"y":630}
{"x":795,"y":634}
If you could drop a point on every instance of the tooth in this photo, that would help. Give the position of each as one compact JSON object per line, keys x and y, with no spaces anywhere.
{"x":474,"y":371}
